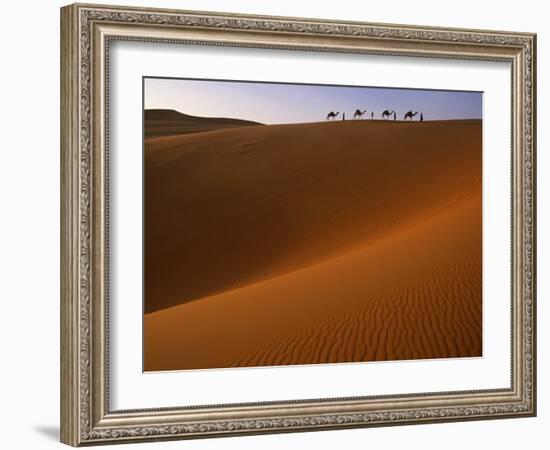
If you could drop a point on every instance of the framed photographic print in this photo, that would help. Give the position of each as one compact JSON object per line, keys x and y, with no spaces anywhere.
{"x":275,"y":224}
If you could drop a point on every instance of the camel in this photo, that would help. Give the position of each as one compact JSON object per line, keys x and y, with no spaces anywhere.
{"x":332,"y":115}
{"x":387,"y":114}
{"x":359,"y":113}
{"x":410,"y":115}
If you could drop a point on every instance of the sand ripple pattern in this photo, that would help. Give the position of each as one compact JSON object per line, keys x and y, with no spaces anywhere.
{"x":438,"y":318}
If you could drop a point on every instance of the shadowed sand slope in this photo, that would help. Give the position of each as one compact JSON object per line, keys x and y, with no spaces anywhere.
{"x":230,"y":208}
{"x":413,"y":294}
{"x":165,"y":122}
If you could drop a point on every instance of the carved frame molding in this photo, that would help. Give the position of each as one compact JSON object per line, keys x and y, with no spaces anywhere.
{"x":86,"y":32}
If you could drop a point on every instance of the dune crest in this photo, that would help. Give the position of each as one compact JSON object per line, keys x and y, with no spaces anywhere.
{"x":168,"y":122}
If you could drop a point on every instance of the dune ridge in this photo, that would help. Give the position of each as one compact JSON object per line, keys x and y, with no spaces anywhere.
{"x":166,"y":122}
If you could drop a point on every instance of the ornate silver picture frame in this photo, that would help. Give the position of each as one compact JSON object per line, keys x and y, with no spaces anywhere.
{"x":87,"y":34}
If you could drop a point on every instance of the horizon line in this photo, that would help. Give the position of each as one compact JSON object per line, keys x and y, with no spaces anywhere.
{"x":351,"y":119}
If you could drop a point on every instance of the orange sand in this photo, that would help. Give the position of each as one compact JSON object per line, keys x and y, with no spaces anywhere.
{"x":313,"y":243}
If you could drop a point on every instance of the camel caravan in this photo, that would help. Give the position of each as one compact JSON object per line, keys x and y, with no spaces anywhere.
{"x":386,"y":115}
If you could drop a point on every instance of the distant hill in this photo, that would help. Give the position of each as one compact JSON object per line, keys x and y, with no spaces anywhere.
{"x":166,"y":122}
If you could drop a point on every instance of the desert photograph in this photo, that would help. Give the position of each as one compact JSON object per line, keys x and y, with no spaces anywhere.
{"x":294,"y":224}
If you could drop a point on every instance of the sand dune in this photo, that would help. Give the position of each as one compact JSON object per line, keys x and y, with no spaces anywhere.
{"x":228,"y":208}
{"x":313,"y":243}
{"x":167,"y":122}
{"x":414,"y":294}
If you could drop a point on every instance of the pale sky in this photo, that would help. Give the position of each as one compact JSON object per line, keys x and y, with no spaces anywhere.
{"x":272,"y":103}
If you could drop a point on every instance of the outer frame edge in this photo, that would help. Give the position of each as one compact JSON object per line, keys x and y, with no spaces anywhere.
{"x":70,"y":225}
{"x":69,"y":314}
